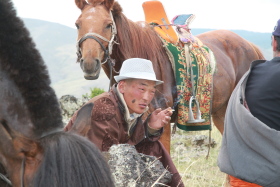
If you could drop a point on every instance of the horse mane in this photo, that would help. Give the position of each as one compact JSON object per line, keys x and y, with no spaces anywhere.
{"x":131,"y":35}
{"x":24,"y":65}
{"x":87,"y":168}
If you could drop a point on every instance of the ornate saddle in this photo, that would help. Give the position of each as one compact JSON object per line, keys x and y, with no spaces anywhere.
{"x":192,"y":64}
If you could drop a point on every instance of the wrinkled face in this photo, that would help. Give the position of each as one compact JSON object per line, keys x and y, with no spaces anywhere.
{"x":138,"y":93}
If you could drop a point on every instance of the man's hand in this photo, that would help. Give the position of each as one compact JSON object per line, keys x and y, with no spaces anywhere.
{"x":159,"y":118}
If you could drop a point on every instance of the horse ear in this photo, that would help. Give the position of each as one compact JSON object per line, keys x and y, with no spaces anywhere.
{"x":108,"y":3}
{"x":83,"y":120}
{"x":80,"y":3}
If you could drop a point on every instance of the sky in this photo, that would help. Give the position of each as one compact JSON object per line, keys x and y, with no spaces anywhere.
{"x":251,"y":15}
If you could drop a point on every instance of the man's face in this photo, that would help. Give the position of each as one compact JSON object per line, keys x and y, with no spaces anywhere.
{"x":137,"y":93}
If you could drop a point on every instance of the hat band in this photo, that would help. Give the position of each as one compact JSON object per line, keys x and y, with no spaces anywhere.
{"x":142,"y":75}
{"x":137,"y":75}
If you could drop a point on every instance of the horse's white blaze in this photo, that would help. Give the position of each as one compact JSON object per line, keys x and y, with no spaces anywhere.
{"x":92,"y":10}
{"x":89,"y":17}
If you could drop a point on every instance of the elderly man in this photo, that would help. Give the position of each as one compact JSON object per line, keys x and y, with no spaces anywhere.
{"x":115,"y":117}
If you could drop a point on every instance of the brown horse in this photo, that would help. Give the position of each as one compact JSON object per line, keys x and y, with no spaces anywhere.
{"x":34,"y":149}
{"x":102,"y":24}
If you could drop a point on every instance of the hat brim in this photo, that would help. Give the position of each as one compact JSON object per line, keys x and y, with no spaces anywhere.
{"x":276,"y":33}
{"x":118,"y":78}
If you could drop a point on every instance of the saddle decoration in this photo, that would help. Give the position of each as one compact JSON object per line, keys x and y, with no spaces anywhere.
{"x":194,"y":74}
{"x":193,"y":65}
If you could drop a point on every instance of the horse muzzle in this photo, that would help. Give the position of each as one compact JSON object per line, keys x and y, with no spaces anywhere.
{"x":91,"y":68}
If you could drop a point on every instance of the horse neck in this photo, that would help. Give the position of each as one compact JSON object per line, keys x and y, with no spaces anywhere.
{"x":137,"y":39}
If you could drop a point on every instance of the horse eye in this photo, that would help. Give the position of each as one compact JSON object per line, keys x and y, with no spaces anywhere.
{"x":109,"y":26}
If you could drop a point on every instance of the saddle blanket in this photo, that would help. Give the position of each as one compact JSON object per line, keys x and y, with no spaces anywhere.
{"x":203,"y":66}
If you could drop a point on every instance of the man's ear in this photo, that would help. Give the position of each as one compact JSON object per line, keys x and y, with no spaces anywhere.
{"x":121,"y":86}
{"x":274,"y":44}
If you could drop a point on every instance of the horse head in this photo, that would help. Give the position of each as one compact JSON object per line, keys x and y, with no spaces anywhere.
{"x":95,"y":36}
{"x":20,"y":153}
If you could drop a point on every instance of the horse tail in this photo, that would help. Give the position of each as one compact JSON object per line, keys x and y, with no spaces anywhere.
{"x":71,"y":160}
{"x":258,"y":51}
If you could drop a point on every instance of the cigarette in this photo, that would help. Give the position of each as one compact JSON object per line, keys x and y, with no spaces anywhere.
{"x":171,"y":110}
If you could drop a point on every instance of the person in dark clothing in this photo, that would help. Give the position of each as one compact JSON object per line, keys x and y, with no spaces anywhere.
{"x":262,"y":90}
{"x":250,"y":146}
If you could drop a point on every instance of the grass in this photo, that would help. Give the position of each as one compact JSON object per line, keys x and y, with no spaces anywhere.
{"x":189,"y":151}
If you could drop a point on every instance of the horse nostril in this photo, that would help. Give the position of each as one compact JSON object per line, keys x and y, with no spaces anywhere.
{"x":82,"y":64}
{"x":98,"y":65}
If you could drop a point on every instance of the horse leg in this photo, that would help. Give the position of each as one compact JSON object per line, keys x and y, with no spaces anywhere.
{"x":165,"y":138}
{"x":218,"y":118}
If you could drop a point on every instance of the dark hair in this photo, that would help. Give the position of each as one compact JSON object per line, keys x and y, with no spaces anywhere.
{"x":71,"y":160}
{"x":277,"y":38}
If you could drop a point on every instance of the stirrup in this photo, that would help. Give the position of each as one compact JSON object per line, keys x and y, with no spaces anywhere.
{"x":198,"y":113}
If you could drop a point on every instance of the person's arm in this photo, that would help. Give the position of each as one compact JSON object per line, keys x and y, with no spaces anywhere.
{"x":155,"y":122}
{"x":154,"y":132}
{"x":159,"y":118}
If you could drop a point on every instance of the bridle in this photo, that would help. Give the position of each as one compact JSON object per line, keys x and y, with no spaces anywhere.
{"x":22,"y":169}
{"x":5,"y":179}
{"x":107,"y":51}
{"x":22,"y":172}
{"x":2,"y":176}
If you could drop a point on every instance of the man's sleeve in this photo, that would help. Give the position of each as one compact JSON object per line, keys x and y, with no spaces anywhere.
{"x":152,"y":134}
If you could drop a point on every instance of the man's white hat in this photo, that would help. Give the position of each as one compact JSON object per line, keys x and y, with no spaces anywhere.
{"x":137,"y":68}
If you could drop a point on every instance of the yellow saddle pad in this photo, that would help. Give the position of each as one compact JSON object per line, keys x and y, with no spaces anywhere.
{"x":155,"y":14}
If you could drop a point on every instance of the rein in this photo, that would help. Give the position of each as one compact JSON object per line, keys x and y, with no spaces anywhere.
{"x":5,"y":179}
{"x":92,"y":36}
{"x":107,"y":51}
{"x":22,"y":172}
{"x":22,"y":169}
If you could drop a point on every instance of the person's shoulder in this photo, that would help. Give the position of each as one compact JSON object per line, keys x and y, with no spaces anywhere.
{"x":100,"y":97}
{"x":104,"y":108}
{"x":105,"y":99}
{"x":258,"y":62}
